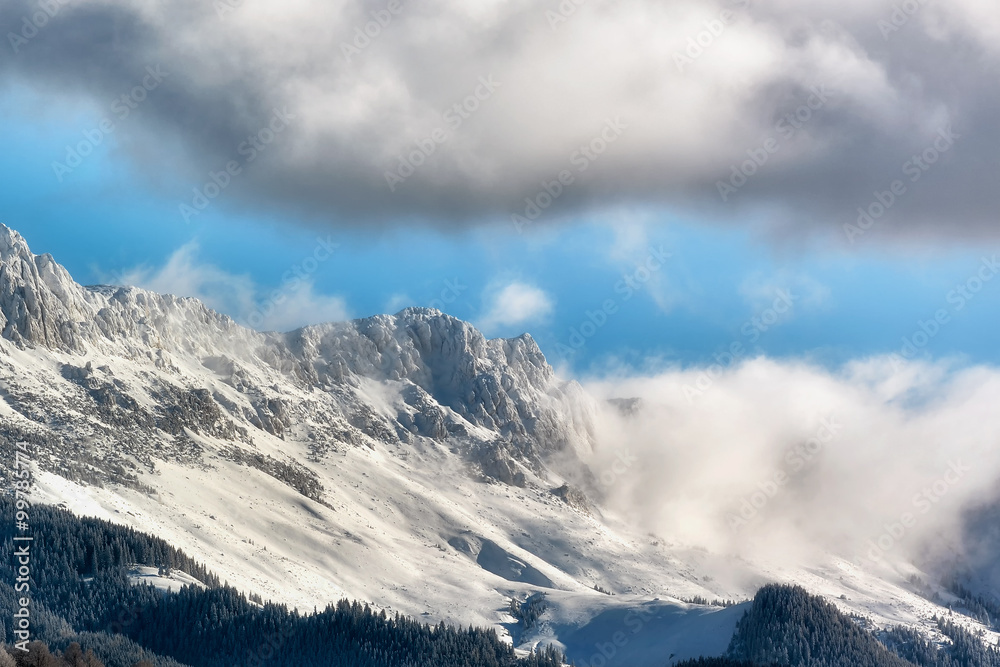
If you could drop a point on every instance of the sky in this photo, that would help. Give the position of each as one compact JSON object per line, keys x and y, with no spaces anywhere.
{"x":640,"y":185}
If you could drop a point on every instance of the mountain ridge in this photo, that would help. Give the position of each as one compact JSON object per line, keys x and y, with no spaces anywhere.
{"x":494,"y":384}
{"x":405,"y":459}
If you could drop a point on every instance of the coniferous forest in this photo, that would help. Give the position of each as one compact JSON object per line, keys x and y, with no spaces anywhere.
{"x":786,"y":625}
{"x":86,"y":612}
{"x":82,"y":597}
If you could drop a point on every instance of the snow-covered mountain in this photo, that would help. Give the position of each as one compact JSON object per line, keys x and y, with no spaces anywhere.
{"x":404,"y":460}
{"x":145,"y":376}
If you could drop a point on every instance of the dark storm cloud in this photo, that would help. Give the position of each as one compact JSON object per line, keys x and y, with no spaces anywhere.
{"x":799,"y":115}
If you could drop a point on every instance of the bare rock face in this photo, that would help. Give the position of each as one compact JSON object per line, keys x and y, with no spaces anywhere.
{"x":501,"y":385}
{"x":573,"y":497}
{"x":271,"y":415}
{"x":497,"y":462}
{"x":42,"y":307}
{"x":426,"y":418}
{"x":124,"y":377}
{"x":38,"y":302}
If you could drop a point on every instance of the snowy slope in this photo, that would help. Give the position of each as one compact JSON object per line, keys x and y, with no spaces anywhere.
{"x":403,"y":460}
{"x":168,"y":584}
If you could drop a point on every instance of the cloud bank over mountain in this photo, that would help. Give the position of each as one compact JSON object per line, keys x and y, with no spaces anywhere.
{"x":457,"y":112}
{"x":883,"y":461}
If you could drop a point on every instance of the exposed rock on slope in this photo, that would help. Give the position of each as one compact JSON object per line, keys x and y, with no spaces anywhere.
{"x":125,"y":377}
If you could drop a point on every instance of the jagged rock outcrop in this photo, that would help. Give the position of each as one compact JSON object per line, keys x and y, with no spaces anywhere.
{"x":573,"y":497}
{"x":132,"y":377}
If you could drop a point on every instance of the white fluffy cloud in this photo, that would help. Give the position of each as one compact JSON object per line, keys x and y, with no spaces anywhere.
{"x":761,"y":290}
{"x":699,"y":86}
{"x":289,"y":307}
{"x":514,"y":304}
{"x":784,"y":459}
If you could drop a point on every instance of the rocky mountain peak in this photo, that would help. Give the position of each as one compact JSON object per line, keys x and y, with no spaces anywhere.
{"x":12,"y":243}
{"x":39,"y":302}
{"x":417,"y":375}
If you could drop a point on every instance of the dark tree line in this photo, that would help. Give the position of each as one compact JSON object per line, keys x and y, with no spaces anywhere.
{"x":966,"y":649}
{"x":80,"y":589}
{"x":786,"y":625}
{"x":529,"y":611}
{"x":39,"y":655}
{"x":89,"y":614}
{"x":983,"y":609}
{"x":717,"y":662}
